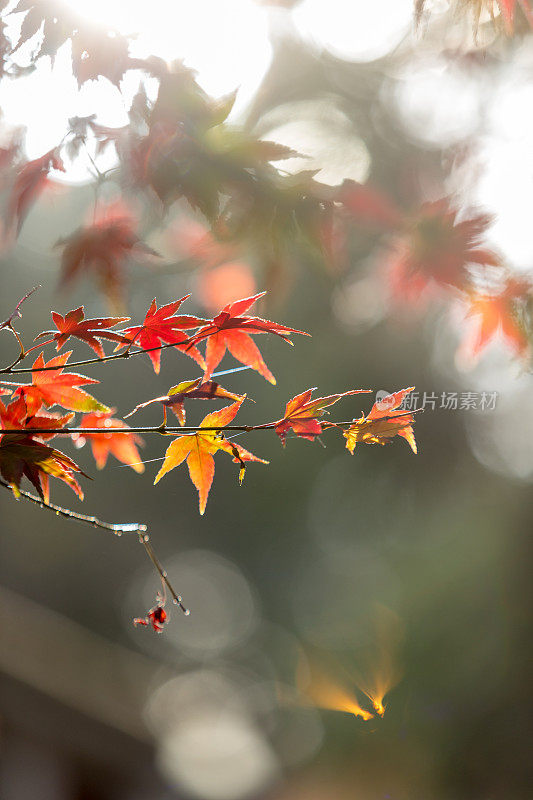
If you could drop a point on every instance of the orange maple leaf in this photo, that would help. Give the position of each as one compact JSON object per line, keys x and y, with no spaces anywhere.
{"x":15,"y":416}
{"x":88,"y":330}
{"x":301,"y":414}
{"x":22,"y":455}
{"x":501,"y":313}
{"x":122,"y":445}
{"x":384,"y":421}
{"x":199,"y":448}
{"x":52,"y":386}
{"x":231,"y":330}
{"x":164,"y":325}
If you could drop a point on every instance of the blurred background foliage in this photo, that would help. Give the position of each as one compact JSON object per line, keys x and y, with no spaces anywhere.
{"x":296,"y":561}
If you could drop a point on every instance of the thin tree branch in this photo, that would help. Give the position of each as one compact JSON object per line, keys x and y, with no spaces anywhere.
{"x":144,"y":539}
{"x":161,"y":429}
{"x":100,"y":360}
{"x":117,"y":529}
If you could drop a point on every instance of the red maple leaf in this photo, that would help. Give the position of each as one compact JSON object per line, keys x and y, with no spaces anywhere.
{"x":384,"y":421}
{"x":436,"y":250}
{"x":104,"y":248}
{"x":156,"y":617}
{"x":301,"y":414}
{"x":500,"y":313}
{"x":22,"y":455}
{"x":164,"y":325}
{"x":88,"y":330}
{"x":31,"y":180}
{"x":15,"y":416}
{"x":52,"y":386}
{"x":198,"y":448}
{"x":232,"y":331}
{"x":368,"y":205}
{"x":122,"y":445}
{"x":188,"y":390}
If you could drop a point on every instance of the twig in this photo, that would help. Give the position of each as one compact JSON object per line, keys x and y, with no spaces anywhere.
{"x":117,"y":529}
{"x":161,"y":429}
{"x":144,"y":539}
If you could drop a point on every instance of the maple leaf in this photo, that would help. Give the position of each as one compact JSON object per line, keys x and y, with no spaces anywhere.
{"x":15,"y":416}
{"x":384,"y":421}
{"x":163,"y":325}
{"x":52,"y":386}
{"x":21,"y":454}
{"x":122,"y":445}
{"x":104,"y":248}
{"x":499,"y":313}
{"x":30,"y":181}
{"x":98,"y":53}
{"x":301,"y":414}
{"x":19,"y":457}
{"x":196,"y":389}
{"x":232,"y":331}
{"x":156,"y":617}
{"x":88,"y":330}
{"x":368,"y":205}
{"x":436,"y":250}
{"x":199,"y":449}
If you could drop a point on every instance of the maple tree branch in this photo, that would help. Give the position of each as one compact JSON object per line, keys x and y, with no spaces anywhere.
{"x":100,"y":360}
{"x":117,"y":529}
{"x":161,"y":429}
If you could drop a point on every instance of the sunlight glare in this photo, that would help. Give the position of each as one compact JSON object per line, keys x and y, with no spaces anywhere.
{"x":356,"y":30}
{"x":226,"y":43}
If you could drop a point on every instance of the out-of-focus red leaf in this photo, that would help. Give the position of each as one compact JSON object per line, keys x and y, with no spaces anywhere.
{"x":435,"y":250}
{"x":122,"y":445}
{"x":31,"y":180}
{"x":497,"y":314}
{"x":103,"y":248}
{"x":224,"y":284}
{"x":369,"y":206}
